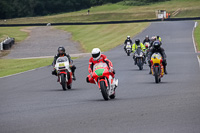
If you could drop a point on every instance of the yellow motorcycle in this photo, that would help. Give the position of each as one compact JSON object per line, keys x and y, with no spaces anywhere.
{"x":157,"y":68}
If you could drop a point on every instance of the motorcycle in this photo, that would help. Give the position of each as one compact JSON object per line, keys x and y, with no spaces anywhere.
{"x":139,"y":58}
{"x":106,"y":83}
{"x":157,"y":68}
{"x":128,"y":48}
{"x":64,"y":73}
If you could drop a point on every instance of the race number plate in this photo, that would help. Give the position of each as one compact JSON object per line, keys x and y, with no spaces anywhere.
{"x":61,"y":64}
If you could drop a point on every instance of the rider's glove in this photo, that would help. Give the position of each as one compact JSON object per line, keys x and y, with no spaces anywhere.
{"x":110,"y":69}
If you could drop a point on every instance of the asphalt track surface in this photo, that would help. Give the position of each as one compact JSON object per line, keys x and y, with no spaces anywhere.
{"x":43,"y":41}
{"x":33,"y":102}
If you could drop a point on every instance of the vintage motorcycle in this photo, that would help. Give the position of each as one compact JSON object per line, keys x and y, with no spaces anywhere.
{"x":157,"y":68}
{"x":106,"y":83}
{"x":139,"y":58}
{"x":128,"y":48}
{"x":64,"y":73}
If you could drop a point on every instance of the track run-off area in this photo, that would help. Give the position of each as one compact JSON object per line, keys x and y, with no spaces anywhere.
{"x":33,"y":102}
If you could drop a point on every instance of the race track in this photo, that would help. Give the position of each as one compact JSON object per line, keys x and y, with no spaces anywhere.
{"x":33,"y":102}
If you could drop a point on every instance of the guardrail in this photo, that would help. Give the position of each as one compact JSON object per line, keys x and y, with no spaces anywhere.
{"x":7,"y":43}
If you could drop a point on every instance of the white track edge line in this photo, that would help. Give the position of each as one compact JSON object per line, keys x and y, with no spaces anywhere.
{"x":195,"y":25}
{"x":21,"y":72}
{"x":198,"y":60}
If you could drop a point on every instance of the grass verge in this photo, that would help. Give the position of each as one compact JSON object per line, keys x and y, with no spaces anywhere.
{"x":19,"y":33}
{"x":197,"y":35}
{"x":13,"y":66}
{"x":116,"y":12}
{"x":104,"y":37}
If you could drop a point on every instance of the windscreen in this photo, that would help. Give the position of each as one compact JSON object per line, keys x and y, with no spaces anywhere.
{"x":62,"y":59}
{"x":99,"y":65}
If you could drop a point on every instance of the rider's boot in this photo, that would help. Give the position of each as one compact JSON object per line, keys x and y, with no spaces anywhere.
{"x":115,"y":82}
{"x":135,"y":61}
{"x":73,"y":76}
{"x":165,"y":70}
{"x":150,"y":71}
{"x":54,"y":72}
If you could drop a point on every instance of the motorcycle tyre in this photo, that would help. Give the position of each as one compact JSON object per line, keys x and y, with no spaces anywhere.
{"x":156,"y":75}
{"x":63,"y":81}
{"x":104,"y":90}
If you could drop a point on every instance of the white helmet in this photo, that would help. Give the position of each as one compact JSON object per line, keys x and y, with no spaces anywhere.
{"x":128,"y":37}
{"x":96,"y":53}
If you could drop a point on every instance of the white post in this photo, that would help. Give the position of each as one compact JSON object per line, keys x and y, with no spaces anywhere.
{"x":1,"y":45}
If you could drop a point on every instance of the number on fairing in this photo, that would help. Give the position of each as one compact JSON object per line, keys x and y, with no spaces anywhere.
{"x":61,"y":64}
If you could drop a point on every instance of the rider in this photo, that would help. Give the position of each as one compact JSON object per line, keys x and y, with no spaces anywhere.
{"x":157,"y":48}
{"x":135,"y":46}
{"x":153,"y":39}
{"x":146,"y":39}
{"x":96,"y":58}
{"x":127,"y":40}
{"x":61,"y":53}
{"x":158,"y":38}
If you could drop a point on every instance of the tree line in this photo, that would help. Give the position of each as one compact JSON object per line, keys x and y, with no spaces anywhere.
{"x":29,"y":8}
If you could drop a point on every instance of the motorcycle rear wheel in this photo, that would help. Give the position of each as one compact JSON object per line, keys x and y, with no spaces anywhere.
{"x":104,"y":90}
{"x":63,"y":81}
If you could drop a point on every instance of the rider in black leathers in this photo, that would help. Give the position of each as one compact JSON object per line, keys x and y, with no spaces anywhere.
{"x":146,"y":39}
{"x":156,"y":48}
{"x":61,"y":53}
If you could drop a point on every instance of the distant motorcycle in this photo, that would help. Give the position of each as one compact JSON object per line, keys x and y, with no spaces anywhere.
{"x":157,"y":68}
{"x":128,"y":48}
{"x":139,"y":58}
{"x":104,"y":80}
{"x":64,"y":72}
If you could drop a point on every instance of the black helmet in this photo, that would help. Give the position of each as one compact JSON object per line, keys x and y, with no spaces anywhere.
{"x":137,"y":41}
{"x":156,"y":44}
{"x":158,"y":37}
{"x":61,"y":50}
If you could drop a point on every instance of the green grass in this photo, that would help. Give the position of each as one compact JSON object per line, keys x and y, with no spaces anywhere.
{"x":116,"y":12}
{"x":12,"y":66}
{"x":104,"y":37}
{"x":197,"y":36}
{"x":15,"y":32}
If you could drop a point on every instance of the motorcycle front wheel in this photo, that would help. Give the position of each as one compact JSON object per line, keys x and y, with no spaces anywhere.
{"x":139,"y":62}
{"x":63,"y":81}
{"x":104,"y":90}
{"x":156,"y":74}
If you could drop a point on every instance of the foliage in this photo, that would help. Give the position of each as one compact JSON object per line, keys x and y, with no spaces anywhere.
{"x":24,"y":8}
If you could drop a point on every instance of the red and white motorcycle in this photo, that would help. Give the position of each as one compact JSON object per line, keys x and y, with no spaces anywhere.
{"x":103,"y":79}
{"x":64,"y":72}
